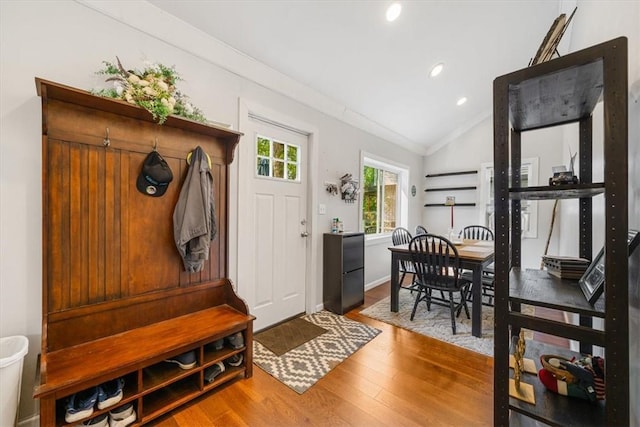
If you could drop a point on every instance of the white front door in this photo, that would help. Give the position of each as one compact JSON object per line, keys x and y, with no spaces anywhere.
{"x":272,"y":222}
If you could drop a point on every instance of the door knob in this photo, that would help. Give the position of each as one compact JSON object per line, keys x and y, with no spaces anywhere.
{"x":304,"y":234}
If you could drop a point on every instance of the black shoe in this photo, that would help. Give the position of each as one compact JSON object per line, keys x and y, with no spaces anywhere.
{"x":213,"y":371}
{"x":235,"y":360}
{"x":235,"y":341}
{"x":185,"y":360}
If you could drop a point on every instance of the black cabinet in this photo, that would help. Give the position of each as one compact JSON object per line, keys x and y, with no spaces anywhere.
{"x":343,"y":271}
{"x":563,"y":90}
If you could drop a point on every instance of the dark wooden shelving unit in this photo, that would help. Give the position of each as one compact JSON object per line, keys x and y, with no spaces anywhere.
{"x":563,"y":90}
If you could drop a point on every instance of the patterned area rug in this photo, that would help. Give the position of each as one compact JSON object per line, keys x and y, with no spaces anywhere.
{"x":435,"y":323}
{"x":303,"y":366}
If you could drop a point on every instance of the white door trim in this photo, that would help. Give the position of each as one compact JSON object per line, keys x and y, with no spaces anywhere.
{"x":241,"y":183}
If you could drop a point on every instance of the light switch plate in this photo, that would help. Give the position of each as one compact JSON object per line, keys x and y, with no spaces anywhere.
{"x":322,"y":209}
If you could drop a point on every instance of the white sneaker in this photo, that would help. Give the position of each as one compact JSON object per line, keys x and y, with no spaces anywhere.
{"x":122,"y":416}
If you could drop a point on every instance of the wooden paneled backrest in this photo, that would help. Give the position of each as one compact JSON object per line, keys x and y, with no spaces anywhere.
{"x":109,"y":259}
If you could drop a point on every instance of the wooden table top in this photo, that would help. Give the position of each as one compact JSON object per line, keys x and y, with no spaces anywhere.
{"x":469,"y":249}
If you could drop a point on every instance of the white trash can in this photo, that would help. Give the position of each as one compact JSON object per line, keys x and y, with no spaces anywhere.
{"x":12,"y":352}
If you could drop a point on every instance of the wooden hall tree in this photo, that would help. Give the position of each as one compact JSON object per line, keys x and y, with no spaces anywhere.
{"x":116,"y":299}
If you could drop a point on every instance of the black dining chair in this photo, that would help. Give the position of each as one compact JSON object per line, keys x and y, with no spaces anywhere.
{"x":402,"y":236}
{"x":420,"y":230}
{"x":480,"y":232}
{"x":476,"y":232}
{"x":437,"y":266}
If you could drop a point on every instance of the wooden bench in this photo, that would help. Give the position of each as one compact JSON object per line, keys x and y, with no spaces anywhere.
{"x":138,"y":354}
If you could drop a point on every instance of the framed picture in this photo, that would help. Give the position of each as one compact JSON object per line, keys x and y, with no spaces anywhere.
{"x":592,"y":281}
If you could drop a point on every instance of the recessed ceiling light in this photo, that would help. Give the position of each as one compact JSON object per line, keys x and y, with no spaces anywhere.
{"x":393,"y":11}
{"x":437,"y":69}
{"x":461,"y":101}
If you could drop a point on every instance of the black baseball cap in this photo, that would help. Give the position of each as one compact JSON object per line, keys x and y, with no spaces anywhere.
{"x":155,"y":175}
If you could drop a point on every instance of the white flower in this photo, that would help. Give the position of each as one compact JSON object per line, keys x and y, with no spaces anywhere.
{"x":119,"y":88}
{"x":163,"y":85}
{"x":188,"y":108}
{"x":143,"y":83}
{"x":133,"y":78}
{"x":172,"y":101}
{"x":149,"y":91}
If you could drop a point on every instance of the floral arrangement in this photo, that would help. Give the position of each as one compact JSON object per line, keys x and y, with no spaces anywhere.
{"x":152,"y":88}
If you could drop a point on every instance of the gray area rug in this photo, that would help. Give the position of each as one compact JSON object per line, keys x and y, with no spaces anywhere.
{"x":435,"y":323}
{"x":303,"y":366}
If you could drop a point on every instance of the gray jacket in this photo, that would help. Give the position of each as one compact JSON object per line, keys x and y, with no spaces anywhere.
{"x":194,"y":222}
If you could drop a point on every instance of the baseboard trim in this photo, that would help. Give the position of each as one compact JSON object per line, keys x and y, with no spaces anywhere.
{"x":33,"y":421}
{"x":376,"y":283}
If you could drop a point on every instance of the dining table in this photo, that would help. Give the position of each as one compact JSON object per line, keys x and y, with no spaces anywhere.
{"x":474,"y":255}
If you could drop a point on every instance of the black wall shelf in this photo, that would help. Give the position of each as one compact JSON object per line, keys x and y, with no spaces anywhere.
{"x":433,"y":175}
{"x":451,"y":188}
{"x":442,"y":204}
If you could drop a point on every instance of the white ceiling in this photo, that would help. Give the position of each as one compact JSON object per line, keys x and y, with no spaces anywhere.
{"x":348,"y":52}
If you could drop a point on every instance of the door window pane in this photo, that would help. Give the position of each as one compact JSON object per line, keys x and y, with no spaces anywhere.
{"x":278,"y":169}
{"x":292,"y":171}
{"x":263,"y":167}
{"x":278,"y":150}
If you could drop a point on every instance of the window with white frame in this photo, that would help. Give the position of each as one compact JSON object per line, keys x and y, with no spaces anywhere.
{"x":528,"y":208}
{"x":384,"y":195}
{"x":277,"y":159}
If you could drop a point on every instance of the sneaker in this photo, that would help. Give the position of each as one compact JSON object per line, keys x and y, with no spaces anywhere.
{"x":122,"y":416}
{"x":80,"y":405}
{"x":99,"y":421}
{"x":185,"y":360}
{"x":213,"y":371}
{"x":235,"y":360}
{"x":235,"y":341}
{"x":110,"y":393}
{"x":218,"y":344}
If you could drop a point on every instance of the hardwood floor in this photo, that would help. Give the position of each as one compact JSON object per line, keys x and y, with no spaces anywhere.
{"x":399,"y":379}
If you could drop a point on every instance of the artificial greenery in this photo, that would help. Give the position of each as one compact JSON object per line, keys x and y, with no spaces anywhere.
{"x":152,"y":88}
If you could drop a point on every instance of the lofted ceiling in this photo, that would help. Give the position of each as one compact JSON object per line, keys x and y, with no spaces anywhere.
{"x":379,"y":70}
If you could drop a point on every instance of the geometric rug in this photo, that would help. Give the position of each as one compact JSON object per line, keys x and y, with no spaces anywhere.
{"x":435,"y":323}
{"x":288,"y":335}
{"x":303,"y":366}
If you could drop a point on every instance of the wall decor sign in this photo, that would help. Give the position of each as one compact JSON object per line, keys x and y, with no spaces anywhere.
{"x":592,"y":281}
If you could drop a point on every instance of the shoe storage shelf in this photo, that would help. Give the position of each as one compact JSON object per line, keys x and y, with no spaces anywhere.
{"x":557,"y":92}
{"x":117,"y":302}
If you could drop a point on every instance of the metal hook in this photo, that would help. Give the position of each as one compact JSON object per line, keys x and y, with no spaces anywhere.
{"x":155,"y":144}
{"x":106,"y":141}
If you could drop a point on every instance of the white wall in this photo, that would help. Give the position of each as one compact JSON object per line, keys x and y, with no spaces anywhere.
{"x":468,"y":152}
{"x":66,"y":42}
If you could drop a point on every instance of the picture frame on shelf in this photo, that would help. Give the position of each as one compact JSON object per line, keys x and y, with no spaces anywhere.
{"x":592,"y":281}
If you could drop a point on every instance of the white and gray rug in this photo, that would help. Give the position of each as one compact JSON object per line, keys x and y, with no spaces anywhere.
{"x":303,"y":366}
{"x":435,"y":323}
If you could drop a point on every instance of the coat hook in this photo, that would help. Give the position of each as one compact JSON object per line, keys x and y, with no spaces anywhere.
{"x":106,"y":141}
{"x":155,"y":144}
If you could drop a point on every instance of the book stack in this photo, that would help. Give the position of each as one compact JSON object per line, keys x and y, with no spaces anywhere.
{"x":565,"y":267}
